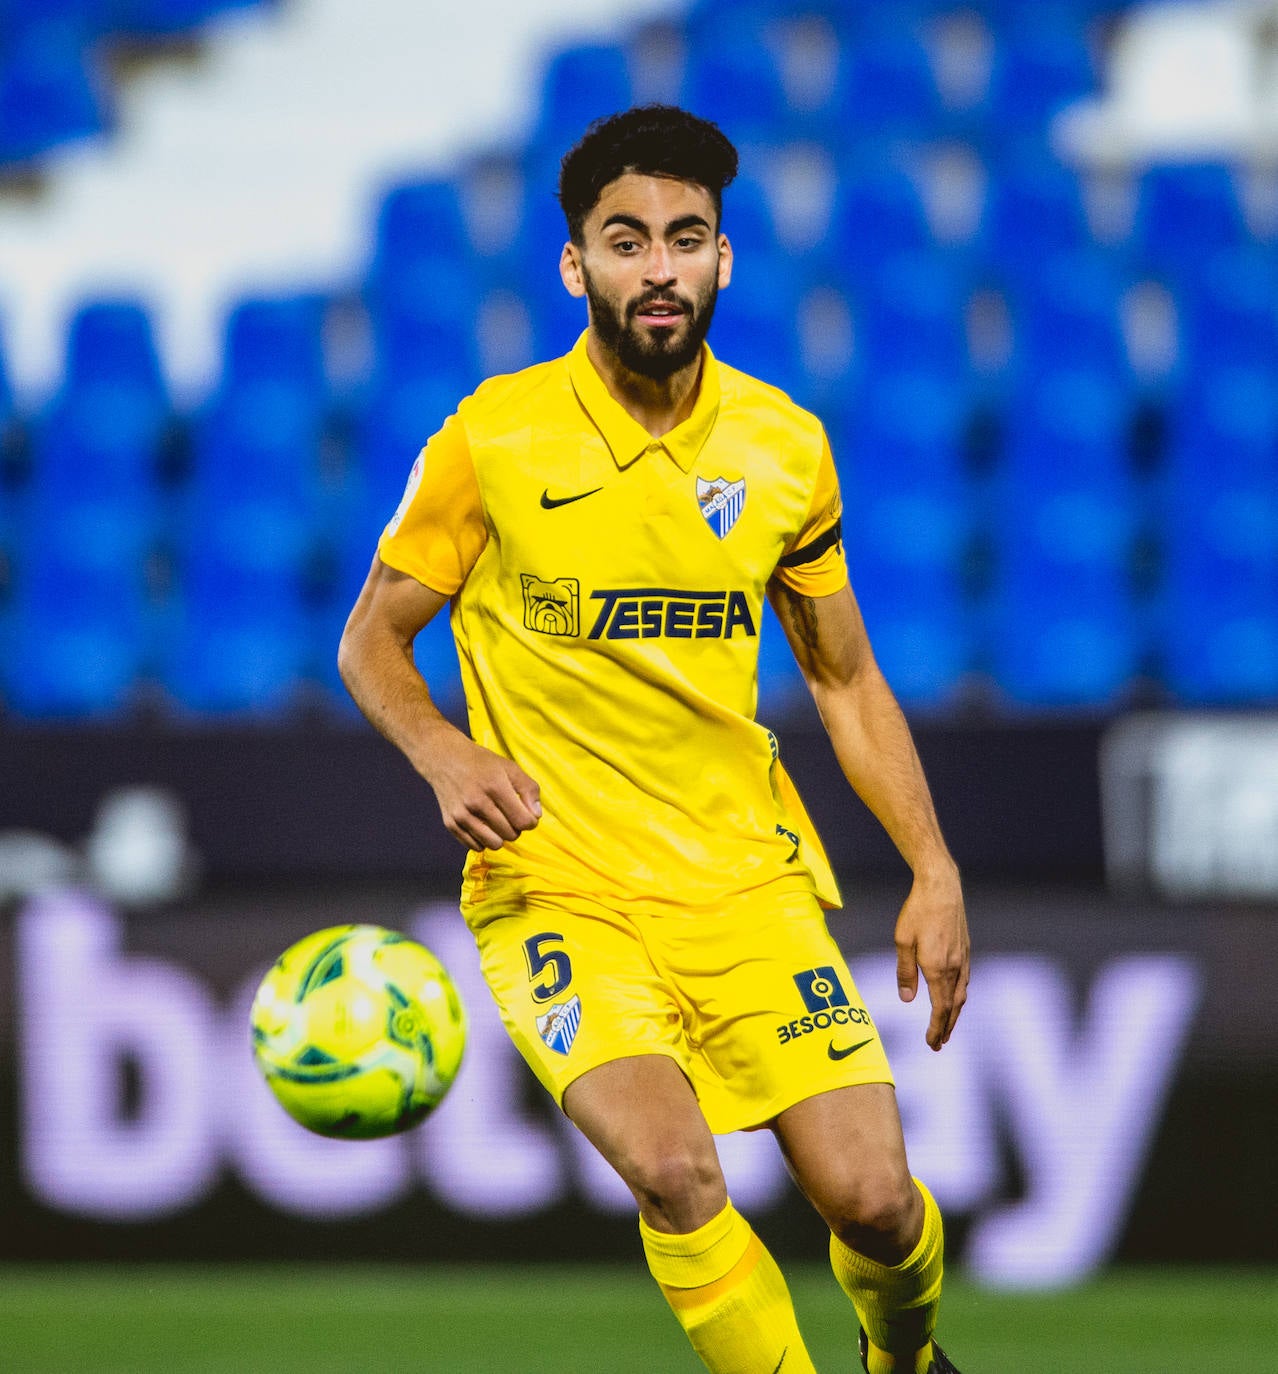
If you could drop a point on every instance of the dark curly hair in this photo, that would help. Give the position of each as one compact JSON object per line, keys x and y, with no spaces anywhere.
{"x":655,"y":140}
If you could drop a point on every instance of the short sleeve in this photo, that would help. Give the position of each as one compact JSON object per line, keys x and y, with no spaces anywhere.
{"x":438,"y":530}
{"x":813,"y":564}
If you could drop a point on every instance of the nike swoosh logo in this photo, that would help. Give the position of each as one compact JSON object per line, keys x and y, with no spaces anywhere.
{"x":781,"y":1361}
{"x":851,"y":1049}
{"x":549,"y":502}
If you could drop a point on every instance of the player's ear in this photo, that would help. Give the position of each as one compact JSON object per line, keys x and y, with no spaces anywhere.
{"x":570,"y":270}
{"x":725,"y":261}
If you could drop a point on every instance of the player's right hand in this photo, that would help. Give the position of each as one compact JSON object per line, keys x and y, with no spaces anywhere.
{"x":484,"y":799}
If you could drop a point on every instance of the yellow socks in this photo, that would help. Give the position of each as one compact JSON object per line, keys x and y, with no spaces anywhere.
{"x":897,"y":1305}
{"x":729,"y":1297}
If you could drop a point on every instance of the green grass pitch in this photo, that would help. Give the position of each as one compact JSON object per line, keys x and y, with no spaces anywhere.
{"x":562,"y":1320}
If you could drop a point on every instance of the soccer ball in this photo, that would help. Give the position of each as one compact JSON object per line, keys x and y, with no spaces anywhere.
{"x":358,"y":1031}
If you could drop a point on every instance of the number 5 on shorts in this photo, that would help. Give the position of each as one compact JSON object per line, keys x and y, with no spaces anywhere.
{"x":552,"y":966}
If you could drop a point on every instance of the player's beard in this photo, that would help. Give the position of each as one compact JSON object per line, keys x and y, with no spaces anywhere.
{"x":656,"y":354}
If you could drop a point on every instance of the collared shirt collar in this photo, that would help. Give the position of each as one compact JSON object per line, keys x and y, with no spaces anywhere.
{"x":625,"y":436}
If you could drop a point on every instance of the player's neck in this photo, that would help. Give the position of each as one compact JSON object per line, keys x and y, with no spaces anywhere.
{"x":657,"y":405}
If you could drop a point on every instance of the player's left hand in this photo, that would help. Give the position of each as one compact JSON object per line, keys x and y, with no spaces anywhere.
{"x":931,"y":937}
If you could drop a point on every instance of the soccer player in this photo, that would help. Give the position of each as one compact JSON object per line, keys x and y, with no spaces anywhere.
{"x":644,"y":885}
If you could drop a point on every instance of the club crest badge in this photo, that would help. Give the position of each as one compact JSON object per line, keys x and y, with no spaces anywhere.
{"x":558,"y":1027}
{"x":721,"y":500}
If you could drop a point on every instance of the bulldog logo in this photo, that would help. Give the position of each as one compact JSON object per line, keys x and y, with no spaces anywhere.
{"x":551,"y":607}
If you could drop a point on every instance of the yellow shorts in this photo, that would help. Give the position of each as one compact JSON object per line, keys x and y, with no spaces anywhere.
{"x":754,"y":1001}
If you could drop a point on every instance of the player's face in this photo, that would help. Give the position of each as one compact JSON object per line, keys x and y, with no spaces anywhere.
{"x":650,"y":266}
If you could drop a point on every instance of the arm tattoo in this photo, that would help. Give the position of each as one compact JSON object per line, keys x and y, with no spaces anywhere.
{"x":801,"y":612}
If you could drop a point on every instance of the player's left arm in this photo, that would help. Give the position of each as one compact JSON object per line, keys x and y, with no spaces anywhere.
{"x":873,"y":745}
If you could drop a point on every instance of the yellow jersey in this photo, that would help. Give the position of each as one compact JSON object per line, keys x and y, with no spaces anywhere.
{"x":607,"y":590}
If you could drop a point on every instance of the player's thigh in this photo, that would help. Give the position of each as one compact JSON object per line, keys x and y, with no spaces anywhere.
{"x":846,"y":1151}
{"x":641,"y":1115}
{"x":576,"y":989}
{"x":774,"y":1015}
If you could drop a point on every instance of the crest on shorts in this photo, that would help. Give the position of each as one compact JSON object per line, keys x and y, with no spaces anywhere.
{"x":558,"y":1027}
{"x":721,"y":500}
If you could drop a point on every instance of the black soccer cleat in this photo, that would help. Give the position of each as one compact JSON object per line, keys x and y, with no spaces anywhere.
{"x":941,"y":1363}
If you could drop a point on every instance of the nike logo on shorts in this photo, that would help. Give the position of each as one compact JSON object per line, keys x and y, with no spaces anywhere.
{"x":851,"y":1049}
{"x":549,"y":502}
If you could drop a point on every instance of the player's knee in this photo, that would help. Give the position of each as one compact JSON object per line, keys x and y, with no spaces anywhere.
{"x":879,"y":1218}
{"x":684,"y":1187}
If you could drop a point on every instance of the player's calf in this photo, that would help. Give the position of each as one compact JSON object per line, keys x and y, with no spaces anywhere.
{"x":897,"y":1303}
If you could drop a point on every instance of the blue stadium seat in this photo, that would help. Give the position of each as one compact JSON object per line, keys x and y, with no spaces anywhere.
{"x":111,"y":340}
{"x":79,"y":636}
{"x":1052,"y":654}
{"x":910,"y":317}
{"x":888,"y":89}
{"x":1069,"y":427}
{"x":253,"y":666}
{"x":420,"y":221}
{"x":258,"y":443}
{"x":1065,"y":622}
{"x":519,"y":230}
{"x":526,"y":265}
{"x":420,"y":337}
{"x":903,"y":564}
{"x":434,"y":652}
{"x":1067,"y":315}
{"x":242,"y":642}
{"x":1033,"y":212}
{"x":422,"y":286}
{"x":828,"y":355}
{"x":1225,"y":429}
{"x":1220,"y":495}
{"x":748,"y":220}
{"x":734,"y":81}
{"x":909,"y":422}
{"x":878,"y":214}
{"x":1038,"y":69}
{"x":711,"y":19}
{"x":1064,"y":614}
{"x":1221,"y":601}
{"x":1227,"y":315}
{"x":99,"y":440}
{"x":50,"y":90}
{"x":907,"y":529}
{"x":1187,"y":213}
{"x":754,"y":323}
{"x":87,"y":16}
{"x":277,"y":338}
{"x":1056,"y":15}
{"x":395,"y":420}
{"x":581,"y":84}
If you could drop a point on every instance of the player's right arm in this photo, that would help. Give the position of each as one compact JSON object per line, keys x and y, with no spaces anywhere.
{"x":483,"y":798}
{"x":424,"y":556}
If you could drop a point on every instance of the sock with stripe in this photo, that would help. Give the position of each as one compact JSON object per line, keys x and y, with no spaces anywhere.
{"x":729,"y":1297}
{"x":897,"y":1304}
